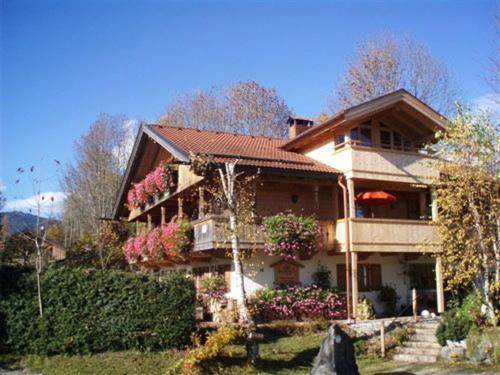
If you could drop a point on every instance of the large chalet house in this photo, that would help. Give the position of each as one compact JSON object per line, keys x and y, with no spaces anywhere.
{"x":363,"y":173}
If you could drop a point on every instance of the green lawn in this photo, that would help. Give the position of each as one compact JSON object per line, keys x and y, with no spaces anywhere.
{"x":280,"y":354}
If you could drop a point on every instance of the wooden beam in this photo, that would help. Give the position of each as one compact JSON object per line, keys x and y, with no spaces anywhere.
{"x":354,"y":283}
{"x":201,"y":202}
{"x":439,"y":285}
{"x":180,"y":213}
{"x":163,"y":215}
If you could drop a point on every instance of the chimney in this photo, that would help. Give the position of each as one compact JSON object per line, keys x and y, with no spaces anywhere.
{"x":298,"y":125}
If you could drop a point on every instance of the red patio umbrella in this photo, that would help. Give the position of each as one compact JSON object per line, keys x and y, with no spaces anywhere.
{"x":374,"y":198}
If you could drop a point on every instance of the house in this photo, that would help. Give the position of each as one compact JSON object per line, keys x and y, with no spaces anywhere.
{"x":363,"y":173}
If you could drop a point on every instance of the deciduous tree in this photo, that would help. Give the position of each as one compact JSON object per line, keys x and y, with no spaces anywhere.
{"x":244,"y":107}
{"x":385,"y":63}
{"x":467,"y":194}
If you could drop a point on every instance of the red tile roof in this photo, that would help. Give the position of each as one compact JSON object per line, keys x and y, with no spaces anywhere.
{"x":249,"y":150}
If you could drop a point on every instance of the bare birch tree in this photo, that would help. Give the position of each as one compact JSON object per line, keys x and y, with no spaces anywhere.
{"x":385,"y":63}
{"x":244,"y":107}
{"x":92,"y":181}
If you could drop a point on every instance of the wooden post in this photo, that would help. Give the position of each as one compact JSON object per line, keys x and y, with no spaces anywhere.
{"x":335,"y":202}
{"x":354,"y":282}
{"x":150,"y":222}
{"x":434,"y":208}
{"x":163,"y":215}
{"x":316,"y":198}
{"x":422,"y":205}
{"x":352,"y":204}
{"x":382,"y":339}
{"x":439,"y":285}
{"x":180,"y":213}
{"x":414,"y":304}
{"x":137,"y":228}
{"x":201,"y":202}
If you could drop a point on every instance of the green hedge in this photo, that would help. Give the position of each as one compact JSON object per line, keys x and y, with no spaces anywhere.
{"x":88,"y":311}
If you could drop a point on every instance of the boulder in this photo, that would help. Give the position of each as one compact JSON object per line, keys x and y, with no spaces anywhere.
{"x":453,"y":351}
{"x":336,"y":354}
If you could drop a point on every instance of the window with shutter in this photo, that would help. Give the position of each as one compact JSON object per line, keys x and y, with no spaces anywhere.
{"x":369,"y":277}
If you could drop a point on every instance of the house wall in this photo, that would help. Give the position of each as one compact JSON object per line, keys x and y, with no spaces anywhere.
{"x":260,"y":274}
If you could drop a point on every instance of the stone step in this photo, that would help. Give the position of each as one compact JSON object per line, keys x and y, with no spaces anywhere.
{"x":418,"y":351}
{"x":424,"y":338}
{"x":425,"y":331}
{"x":422,"y":344}
{"x":415,"y":358}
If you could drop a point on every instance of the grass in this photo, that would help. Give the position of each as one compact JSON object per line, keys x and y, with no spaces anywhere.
{"x":279,"y":354}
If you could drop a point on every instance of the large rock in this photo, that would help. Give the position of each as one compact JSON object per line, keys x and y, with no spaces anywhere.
{"x":336,"y":354}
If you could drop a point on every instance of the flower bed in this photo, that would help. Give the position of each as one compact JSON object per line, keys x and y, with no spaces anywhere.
{"x":297,"y":303}
{"x":168,"y":242}
{"x":157,"y":182}
{"x":291,"y":235}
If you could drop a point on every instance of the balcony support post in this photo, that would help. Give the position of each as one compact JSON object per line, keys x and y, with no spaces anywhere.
{"x":342,"y":184}
{"x":201,"y":202}
{"x":422,"y":205}
{"x":180,"y":213}
{"x":163,"y":215}
{"x":439,"y":285}
{"x":354,"y":281}
{"x":316,"y":199}
{"x":150,"y":222}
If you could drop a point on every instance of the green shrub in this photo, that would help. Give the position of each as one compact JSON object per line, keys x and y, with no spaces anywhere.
{"x":88,"y":311}
{"x":453,"y":327}
{"x":460,"y":318}
{"x":321,"y":278}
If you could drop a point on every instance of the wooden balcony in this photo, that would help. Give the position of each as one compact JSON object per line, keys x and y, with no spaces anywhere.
{"x":377,"y":163}
{"x":388,"y":235}
{"x":211,"y":232}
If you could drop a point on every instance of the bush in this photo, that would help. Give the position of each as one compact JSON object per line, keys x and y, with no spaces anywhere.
{"x":321,"y":278}
{"x":460,"y":318}
{"x":88,"y":311}
{"x":389,"y":296}
{"x":298,"y":303}
{"x":364,"y":309}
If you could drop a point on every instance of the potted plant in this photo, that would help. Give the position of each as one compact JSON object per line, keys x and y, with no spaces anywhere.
{"x":389,"y":297}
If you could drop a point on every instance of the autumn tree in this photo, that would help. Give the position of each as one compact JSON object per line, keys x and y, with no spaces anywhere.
{"x":244,"y":107}
{"x":91,"y":182}
{"x":467,"y":194}
{"x":385,"y":63}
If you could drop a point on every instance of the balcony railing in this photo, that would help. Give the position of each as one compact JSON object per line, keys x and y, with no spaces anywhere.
{"x":212,"y":232}
{"x":380,"y":163}
{"x":388,"y":235}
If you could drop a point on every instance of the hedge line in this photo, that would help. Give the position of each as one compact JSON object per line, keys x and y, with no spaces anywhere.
{"x":89,"y":311}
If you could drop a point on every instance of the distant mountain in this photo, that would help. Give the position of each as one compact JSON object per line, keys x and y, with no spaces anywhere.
{"x":18,"y":221}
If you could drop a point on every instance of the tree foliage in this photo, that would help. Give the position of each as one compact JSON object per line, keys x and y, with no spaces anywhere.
{"x":244,"y":107}
{"x":467,"y":194}
{"x":385,"y":63}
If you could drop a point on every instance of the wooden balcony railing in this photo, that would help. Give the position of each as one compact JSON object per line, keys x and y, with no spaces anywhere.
{"x":388,"y":235}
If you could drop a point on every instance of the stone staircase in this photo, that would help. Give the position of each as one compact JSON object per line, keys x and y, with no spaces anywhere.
{"x":422,"y":345}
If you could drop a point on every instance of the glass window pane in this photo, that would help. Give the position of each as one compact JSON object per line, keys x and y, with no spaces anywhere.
{"x":407,"y":145}
{"x":339,"y":139}
{"x":354,"y":134}
{"x":366,"y":136}
{"x":397,"y":141}
{"x":385,"y":139}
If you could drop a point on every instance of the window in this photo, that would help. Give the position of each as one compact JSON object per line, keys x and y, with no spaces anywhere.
{"x":369,"y":277}
{"x":422,"y":276}
{"x":397,"y":140}
{"x":391,"y":139}
{"x":385,"y":139}
{"x":340,"y":141}
{"x":361,"y":135}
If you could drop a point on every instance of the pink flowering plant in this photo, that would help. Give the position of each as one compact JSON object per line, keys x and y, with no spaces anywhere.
{"x":157,"y":182}
{"x":297,"y":303}
{"x":170,"y":241}
{"x":290,"y":235}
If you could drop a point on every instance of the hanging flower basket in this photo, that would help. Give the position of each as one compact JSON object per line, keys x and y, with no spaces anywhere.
{"x":154,"y":186}
{"x":167,"y":244}
{"x":292,"y":236}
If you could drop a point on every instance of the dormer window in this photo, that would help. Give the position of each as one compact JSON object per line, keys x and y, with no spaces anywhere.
{"x":361,"y":135}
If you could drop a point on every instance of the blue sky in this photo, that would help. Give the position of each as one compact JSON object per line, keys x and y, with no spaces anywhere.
{"x":64,"y":62}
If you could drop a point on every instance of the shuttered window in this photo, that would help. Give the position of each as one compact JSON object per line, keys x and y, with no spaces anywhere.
{"x":369,"y":277}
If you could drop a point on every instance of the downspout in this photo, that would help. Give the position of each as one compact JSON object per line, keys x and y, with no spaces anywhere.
{"x":347,"y":248}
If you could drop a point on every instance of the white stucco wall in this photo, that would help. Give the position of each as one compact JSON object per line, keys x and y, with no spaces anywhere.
{"x":259,"y":274}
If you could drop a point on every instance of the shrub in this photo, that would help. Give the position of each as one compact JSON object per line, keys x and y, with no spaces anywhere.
{"x":290,"y":235}
{"x":297,"y":303}
{"x":364,"y":309}
{"x":214,"y":286}
{"x":460,"y":318}
{"x":389,"y":296}
{"x":93,"y":311}
{"x":321,"y":278}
